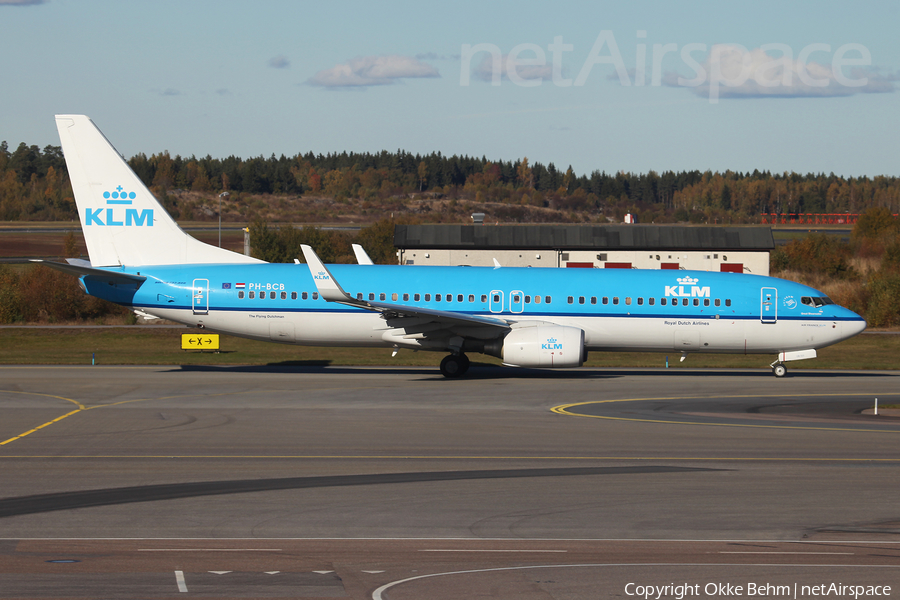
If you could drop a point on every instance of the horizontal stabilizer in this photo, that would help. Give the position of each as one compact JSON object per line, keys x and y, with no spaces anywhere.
{"x":81,"y":271}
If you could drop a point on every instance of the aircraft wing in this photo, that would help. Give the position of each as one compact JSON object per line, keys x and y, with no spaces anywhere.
{"x":332,"y":291}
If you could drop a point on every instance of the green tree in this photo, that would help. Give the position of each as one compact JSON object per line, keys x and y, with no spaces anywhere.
{"x":423,"y":174}
{"x":378,"y":241}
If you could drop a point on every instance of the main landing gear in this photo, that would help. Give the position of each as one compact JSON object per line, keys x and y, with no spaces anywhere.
{"x":454,"y":365}
{"x":778,"y":369}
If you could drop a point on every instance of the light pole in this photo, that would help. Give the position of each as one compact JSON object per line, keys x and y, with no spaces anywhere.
{"x":222,"y":195}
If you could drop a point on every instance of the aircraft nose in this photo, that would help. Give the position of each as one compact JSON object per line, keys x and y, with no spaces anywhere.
{"x":852,"y":327}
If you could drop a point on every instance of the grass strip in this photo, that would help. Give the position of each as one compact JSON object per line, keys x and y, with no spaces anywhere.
{"x":147,"y":345}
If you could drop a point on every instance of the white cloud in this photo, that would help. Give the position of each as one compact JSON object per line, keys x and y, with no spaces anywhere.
{"x":732,"y":71}
{"x":520,"y":69}
{"x":372,"y":70}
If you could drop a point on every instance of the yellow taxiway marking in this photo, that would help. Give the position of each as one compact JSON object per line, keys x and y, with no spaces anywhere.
{"x":82,"y":407}
{"x":563,"y":409}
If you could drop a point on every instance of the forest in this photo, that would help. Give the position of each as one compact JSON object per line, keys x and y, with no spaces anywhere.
{"x":362,"y":187}
{"x":380,"y":190}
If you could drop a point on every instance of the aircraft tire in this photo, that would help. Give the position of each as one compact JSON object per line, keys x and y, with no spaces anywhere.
{"x":465,"y":364}
{"x":453,"y":366}
{"x":779,"y":370}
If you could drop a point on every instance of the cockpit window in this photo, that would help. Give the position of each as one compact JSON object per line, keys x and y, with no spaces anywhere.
{"x":816,"y":301}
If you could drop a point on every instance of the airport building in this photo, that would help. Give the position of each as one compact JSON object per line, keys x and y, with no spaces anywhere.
{"x":705,"y":248}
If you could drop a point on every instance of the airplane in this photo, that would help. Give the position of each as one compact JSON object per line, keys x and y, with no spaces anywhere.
{"x":528,"y":317}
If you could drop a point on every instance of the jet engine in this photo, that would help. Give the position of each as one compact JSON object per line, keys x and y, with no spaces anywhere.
{"x":542,"y":346}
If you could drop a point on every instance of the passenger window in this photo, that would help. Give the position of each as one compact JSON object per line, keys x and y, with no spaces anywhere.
{"x":706,"y":302}
{"x":593,"y":299}
{"x":240,"y":294}
{"x":449,"y":297}
{"x":684,"y":302}
{"x":471,"y":297}
{"x":651,"y":301}
{"x":605,"y":300}
{"x":371,"y":296}
{"x":284,"y":295}
{"x":727,"y":302}
{"x":571,"y":299}
{"x":416,"y":297}
{"x":718,"y":302}
{"x":459,"y":298}
{"x":628,"y":300}
{"x":381,"y":296}
{"x":304,"y":296}
{"x":527,"y":299}
{"x":547,"y":299}
{"x":252,"y":295}
{"x":427,"y":297}
{"x":359,"y":296}
{"x":394,"y":297}
{"x":615,"y":299}
{"x":406,"y":297}
{"x":537,"y":299}
{"x":437,"y":297}
{"x":640,"y":301}
{"x":696,"y":301}
{"x":484,"y":297}
{"x":662,"y":301}
{"x":294,"y":296}
{"x":580,"y":299}
{"x":496,"y":297}
{"x":315,"y":295}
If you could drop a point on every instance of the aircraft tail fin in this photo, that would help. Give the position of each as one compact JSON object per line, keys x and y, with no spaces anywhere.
{"x":123,"y":223}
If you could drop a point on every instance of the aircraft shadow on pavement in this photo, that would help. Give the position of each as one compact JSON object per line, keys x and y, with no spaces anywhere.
{"x":483,"y":371}
{"x":42,"y":503}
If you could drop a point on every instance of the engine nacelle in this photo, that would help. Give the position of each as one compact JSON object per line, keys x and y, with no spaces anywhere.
{"x":544,"y":346}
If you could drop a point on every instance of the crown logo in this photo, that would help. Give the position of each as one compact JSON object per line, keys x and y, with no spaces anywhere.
{"x":687,"y":280}
{"x":119,"y":196}
{"x":551,"y":341}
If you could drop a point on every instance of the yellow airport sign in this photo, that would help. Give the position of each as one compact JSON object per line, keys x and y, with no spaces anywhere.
{"x":199,"y":341}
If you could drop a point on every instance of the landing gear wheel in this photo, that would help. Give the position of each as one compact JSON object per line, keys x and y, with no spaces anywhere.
{"x":454,"y":365}
{"x":465,"y":364}
{"x":779,"y":370}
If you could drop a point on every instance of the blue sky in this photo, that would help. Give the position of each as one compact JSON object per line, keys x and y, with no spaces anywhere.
{"x":783,"y":86}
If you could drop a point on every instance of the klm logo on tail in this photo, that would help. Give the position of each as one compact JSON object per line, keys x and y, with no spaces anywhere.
{"x":118,"y":217}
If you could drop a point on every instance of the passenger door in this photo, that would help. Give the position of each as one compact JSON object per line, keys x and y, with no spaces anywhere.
{"x":768,"y":305}
{"x":200,"y":297}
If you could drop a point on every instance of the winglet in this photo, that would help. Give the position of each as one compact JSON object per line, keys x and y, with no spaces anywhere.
{"x":361,"y":256}
{"x":327,"y":285}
